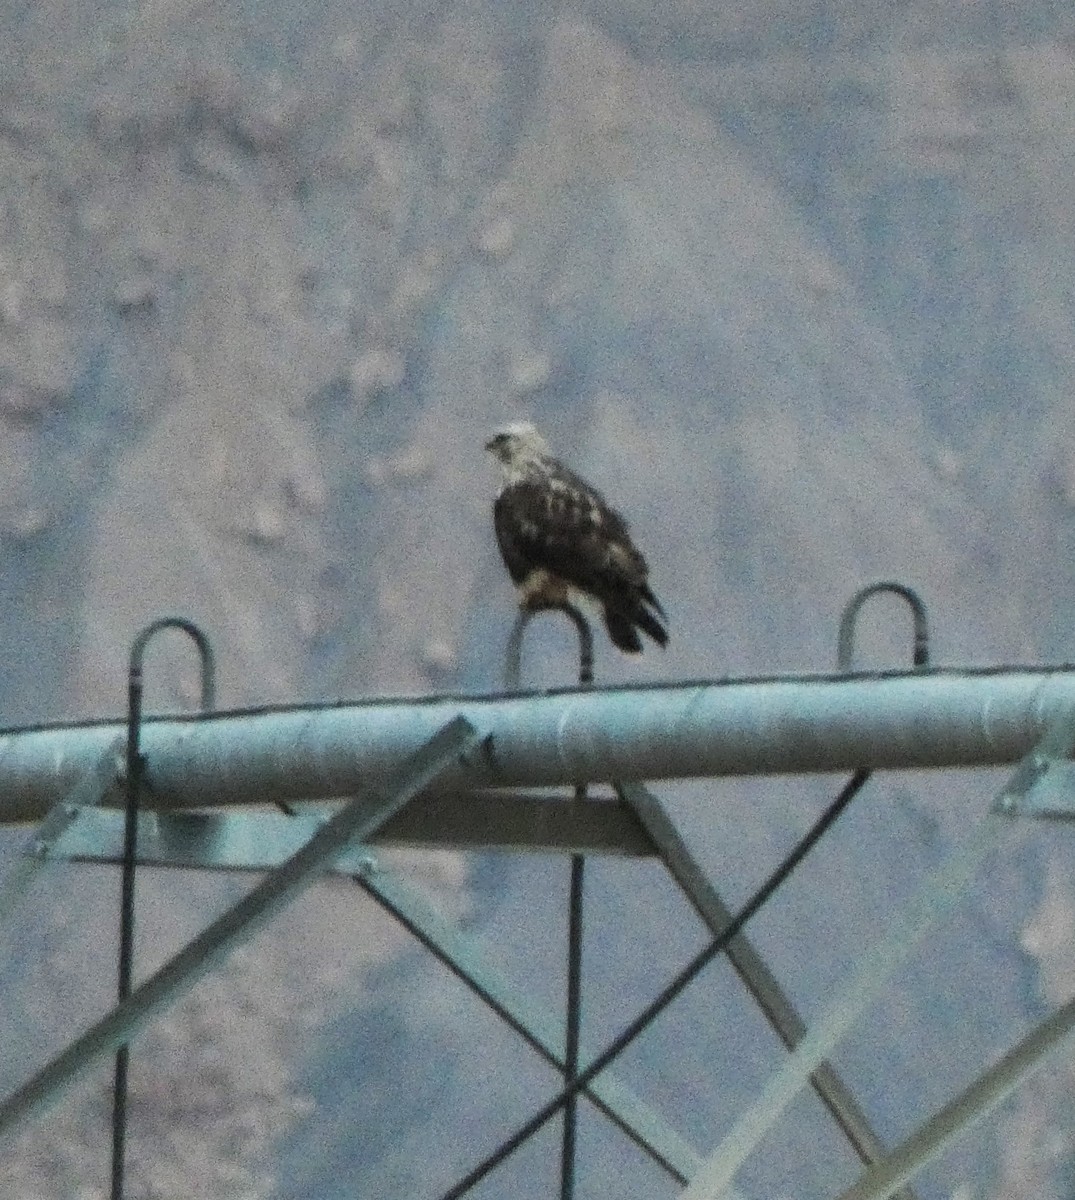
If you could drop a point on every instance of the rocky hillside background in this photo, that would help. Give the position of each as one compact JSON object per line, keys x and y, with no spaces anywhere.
{"x":792,"y":282}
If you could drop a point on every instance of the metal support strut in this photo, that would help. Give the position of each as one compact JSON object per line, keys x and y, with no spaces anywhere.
{"x":933,"y":902}
{"x":541,"y":1031}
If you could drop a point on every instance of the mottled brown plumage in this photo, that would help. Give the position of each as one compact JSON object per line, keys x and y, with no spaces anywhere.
{"x":560,"y":539}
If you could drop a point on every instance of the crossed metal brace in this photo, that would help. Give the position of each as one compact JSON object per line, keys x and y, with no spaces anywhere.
{"x":1043,"y":785}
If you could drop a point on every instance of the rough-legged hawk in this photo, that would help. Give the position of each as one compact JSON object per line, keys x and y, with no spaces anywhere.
{"x":560,"y":540}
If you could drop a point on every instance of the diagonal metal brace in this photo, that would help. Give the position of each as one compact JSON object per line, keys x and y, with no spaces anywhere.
{"x":749,"y":966}
{"x":936,"y":898}
{"x":355,"y":822}
{"x":90,"y":790}
{"x":974,"y":1103}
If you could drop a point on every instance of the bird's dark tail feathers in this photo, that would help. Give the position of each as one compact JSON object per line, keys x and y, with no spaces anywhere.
{"x":623,"y":625}
{"x":646,"y":592}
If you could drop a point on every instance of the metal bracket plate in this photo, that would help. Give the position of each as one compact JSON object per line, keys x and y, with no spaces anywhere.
{"x":206,"y":841}
{"x":89,"y":791}
{"x":259,"y":841}
{"x":1042,"y":787}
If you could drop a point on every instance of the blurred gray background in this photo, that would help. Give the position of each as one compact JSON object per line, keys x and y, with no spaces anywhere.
{"x":791,"y":282}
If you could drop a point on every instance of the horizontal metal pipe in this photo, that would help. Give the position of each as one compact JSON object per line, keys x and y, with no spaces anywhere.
{"x":925,"y":718}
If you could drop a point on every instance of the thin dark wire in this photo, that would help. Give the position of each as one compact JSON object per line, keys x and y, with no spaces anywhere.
{"x":845,"y":653}
{"x":126,"y":922}
{"x":510,"y":1019}
{"x":512,"y":673}
{"x":670,"y":992}
{"x":574,"y":1021}
{"x":135,"y":772}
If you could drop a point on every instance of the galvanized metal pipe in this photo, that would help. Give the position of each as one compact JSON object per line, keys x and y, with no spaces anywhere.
{"x":925,"y":718}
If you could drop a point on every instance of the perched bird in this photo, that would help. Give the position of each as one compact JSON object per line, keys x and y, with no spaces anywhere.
{"x":561,"y":541}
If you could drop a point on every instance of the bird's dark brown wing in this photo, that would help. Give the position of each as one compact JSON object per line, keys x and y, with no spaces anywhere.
{"x":558,"y":523}
{"x":563,"y":527}
{"x":514,"y":535}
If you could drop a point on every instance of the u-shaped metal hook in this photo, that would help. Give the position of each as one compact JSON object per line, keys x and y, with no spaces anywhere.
{"x":513,"y":654}
{"x":845,"y":646}
{"x":205,"y":653}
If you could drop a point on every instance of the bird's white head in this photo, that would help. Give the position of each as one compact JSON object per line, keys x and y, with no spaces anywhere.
{"x":517,"y":444}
